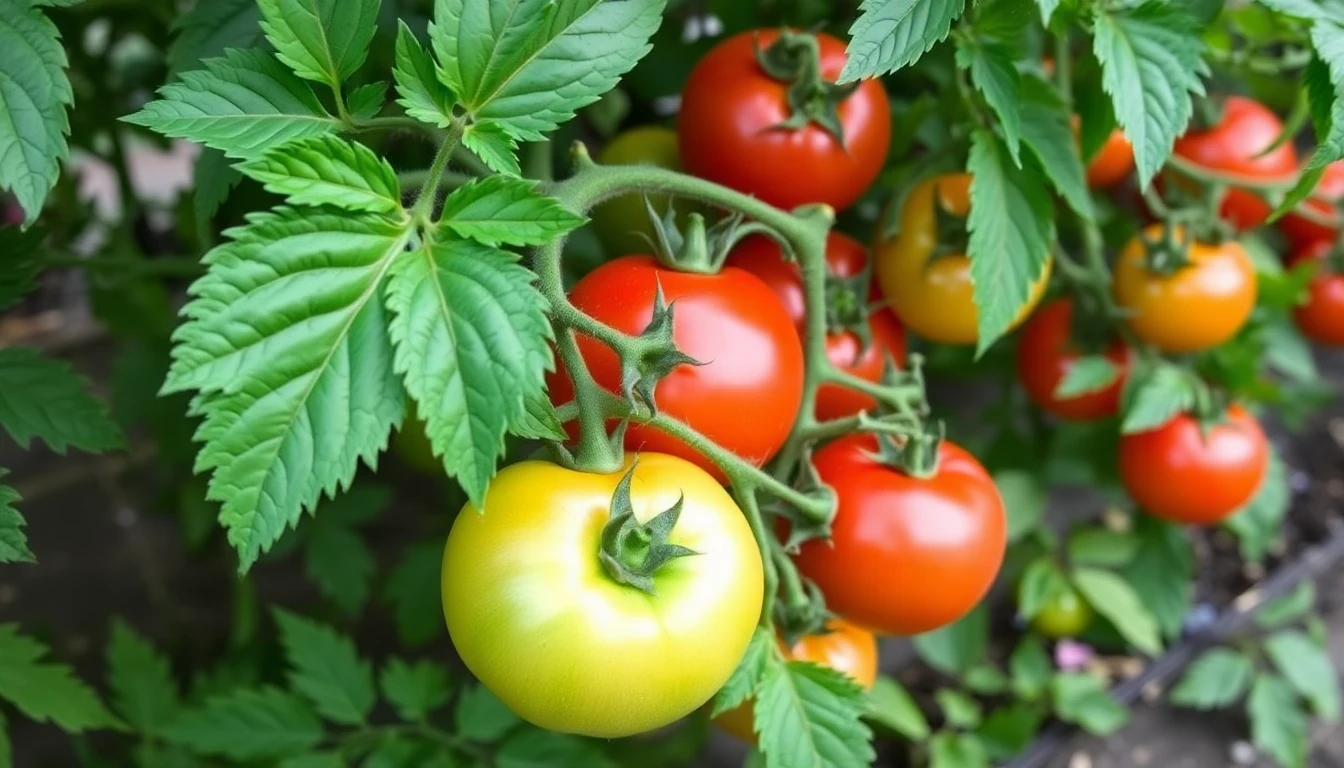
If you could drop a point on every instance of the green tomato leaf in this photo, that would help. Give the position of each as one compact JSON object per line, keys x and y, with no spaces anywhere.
{"x":143,"y":689}
{"x":419,"y":91}
{"x":957,"y":750}
{"x":809,"y":715}
{"x":6,"y":749}
{"x":531,"y":64}
{"x":1287,"y":609}
{"x":1151,"y":63}
{"x":286,"y":339}
{"x":535,"y":748}
{"x":1287,"y":352}
{"x":1008,"y":730}
{"x":1216,"y":679}
{"x":539,"y":421}
{"x":1011,"y":228}
{"x":1327,"y":38}
{"x":1030,"y":668}
{"x":35,"y":96}
{"x":1041,"y":582}
{"x":1162,"y":573}
{"x":215,"y":179}
{"x":321,"y":40}
{"x":416,"y":690}
{"x":44,"y":691}
{"x":1260,"y":523}
{"x":366,"y":101}
{"x":746,"y":678}
{"x":46,"y":399}
{"x":1024,"y":499}
{"x":417,"y":611}
{"x":1307,"y":668}
{"x":1113,"y":597}
{"x":1154,"y":395}
{"x":500,"y":209}
{"x":243,"y":104}
{"x":482,"y":717}
{"x":1048,"y":8}
{"x":324,"y":667}
{"x":340,"y":564}
{"x":1089,"y":373}
{"x":21,"y":265}
{"x":247,"y":724}
{"x":209,"y":29}
{"x":893,"y":34}
{"x":960,"y":710}
{"x":985,"y":679}
{"x":957,"y":647}
{"x":13,"y":541}
{"x":1099,"y":546}
{"x":891,"y":706}
{"x":994,"y":73}
{"x":491,"y":142}
{"x":472,"y":341}
{"x":1278,"y":723}
{"x":1084,"y":700}
{"x":328,"y":170}
{"x":1047,"y":133}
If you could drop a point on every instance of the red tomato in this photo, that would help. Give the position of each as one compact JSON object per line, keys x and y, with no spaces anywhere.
{"x":845,"y":257}
{"x":906,"y":555}
{"x":1044,"y":357}
{"x":745,"y":396}
{"x":1321,"y":319}
{"x":1112,"y":163}
{"x":1178,"y":474}
{"x":1324,"y":200}
{"x":731,"y":111}
{"x":1234,"y":146}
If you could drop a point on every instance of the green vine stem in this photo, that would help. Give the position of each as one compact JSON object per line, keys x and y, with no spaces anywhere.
{"x":429,"y":190}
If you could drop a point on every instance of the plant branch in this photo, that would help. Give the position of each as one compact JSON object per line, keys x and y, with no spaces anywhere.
{"x":429,"y":190}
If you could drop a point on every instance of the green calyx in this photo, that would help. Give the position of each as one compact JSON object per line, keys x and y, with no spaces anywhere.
{"x":801,"y":527}
{"x":1208,"y":114}
{"x":847,"y":308}
{"x":795,"y":58}
{"x":699,"y":249}
{"x":916,"y":454}
{"x":1169,"y":253}
{"x":631,"y":551}
{"x":652,"y":356}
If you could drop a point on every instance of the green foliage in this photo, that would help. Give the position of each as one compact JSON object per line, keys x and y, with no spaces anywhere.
{"x":1090,"y":373}
{"x":892,"y":34}
{"x":13,"y":541}
{"x":143,"y":689}
{"x":1151,"y":63}
{"x":958,"y":646}
{"x":1161,"y":571}
{"x":209,"y":29}
{"x":1259,"y":523}
{"x":1011,"y":230}
{"x":266,"y":723}
{"x":499,"y":210}
{"x":22,"y":264}
{"x":1083,"y":699}
{"x":746,"y":678}
{"x":327,"y":170}
{"x":321,"y":40}
{"x":34,"y":99}
{"x":419,"y":91}
{"x":1046,"y":132}
{"x":1041,"y":582}
{"x":47,"y":400}
{"x":45,"y":691}
{"x":957,"y":750}
{"x":1217,"y":679}
{"x":892,"y":707}
{"x":809,"y":715}
{"x":326,"y":669}
{"x":1278,"y":722}
{"x":1308,"y":669}
{"x":415,"y":690}
{"x":1112,"y":597}
{"x":1024,"y":500}
{"x":959,"y":709}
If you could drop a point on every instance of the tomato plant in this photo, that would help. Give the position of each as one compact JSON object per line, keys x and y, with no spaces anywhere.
{"x":623,"y":224}
{"x":1046,"y":356}
{"x":1321,"y":316}
{"x":907,"y":554}
{"x":1303,"y":232}
{"x":1066,"y":615}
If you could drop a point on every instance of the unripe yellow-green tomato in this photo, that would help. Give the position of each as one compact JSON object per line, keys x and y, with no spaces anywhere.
{"x":1067,"y":615}
{"x":622,"y":224}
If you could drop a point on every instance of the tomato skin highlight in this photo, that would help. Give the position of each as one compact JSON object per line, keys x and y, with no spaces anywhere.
{"x":906,"y":555}
{"x":1179,"y":475}
{"x":1044,"y":357}
{"x":1196,"y":308}
{"x":536,"y":618}
{"x":845,"y":257}
{"x":1321,"y":318}
{"x":845,"y":648}
{"x":1112,"y":163}
{"x":1067,"y":615}
{"x":1301,"y":232}
{"x":745,"y":396}
{"x":622,"y":223}
{"x":933,"y":297}
{"x":729,"y":131}
{"x":1234,"y":146}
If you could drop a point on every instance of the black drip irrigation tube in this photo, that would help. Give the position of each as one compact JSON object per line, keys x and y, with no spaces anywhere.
{"x":1236,"y":615}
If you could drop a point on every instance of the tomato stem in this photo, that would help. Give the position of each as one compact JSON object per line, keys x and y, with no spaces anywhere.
{"x":429,"y":190}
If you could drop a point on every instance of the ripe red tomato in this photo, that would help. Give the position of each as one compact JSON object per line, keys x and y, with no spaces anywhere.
{"x":1234,"y":146}
{"x":745,"y":396}
{"x":729,"y":130}
{"x":906,"y":555}
{"x":844,"y":647}
{"x":845,"y":257}
{"x":1324,"y":200}
{"x":1112,"y":163}
{"x":1044,"y":357}
{"x":1179,"y":474}
{"x":1321,"y":319}
{"x":1195,"y":308}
